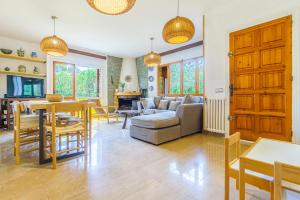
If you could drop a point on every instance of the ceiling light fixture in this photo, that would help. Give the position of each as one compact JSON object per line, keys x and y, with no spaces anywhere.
{"x":179,"y":29}
{"x":152,"y":59}
{"x":54,"y":45}
{"x":112,"y":7}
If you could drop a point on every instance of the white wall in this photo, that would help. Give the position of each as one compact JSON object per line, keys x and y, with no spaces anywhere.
{"x":181,"y":55}
{"x":236,"y":15}
{"x":82,"y":61}
{"x":13,"y":44}
{"x":129,"y":68}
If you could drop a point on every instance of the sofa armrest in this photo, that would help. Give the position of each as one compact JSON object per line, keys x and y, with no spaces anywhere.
{"x":191,"y":118}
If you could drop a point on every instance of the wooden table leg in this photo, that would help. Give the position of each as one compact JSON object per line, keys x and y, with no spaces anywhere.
{"x":90,"y":123}
{"x":41,"y":137}
{"x":125,"y":121}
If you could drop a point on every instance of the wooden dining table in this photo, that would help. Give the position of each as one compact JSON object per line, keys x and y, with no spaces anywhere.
{"x":40,"y":107}
{"x":270,"y":151}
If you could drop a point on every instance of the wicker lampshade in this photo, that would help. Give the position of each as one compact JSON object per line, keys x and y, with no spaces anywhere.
{"x":53,"y":45}
{"x":178,"y":30}
{"x":112,"y":7}
{"x":152,"y":59}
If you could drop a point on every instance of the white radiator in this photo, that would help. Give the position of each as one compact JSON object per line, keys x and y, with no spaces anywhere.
{"x":214,"y":115}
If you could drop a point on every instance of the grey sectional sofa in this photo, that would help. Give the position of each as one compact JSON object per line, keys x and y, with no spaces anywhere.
{"x":160,"y":126}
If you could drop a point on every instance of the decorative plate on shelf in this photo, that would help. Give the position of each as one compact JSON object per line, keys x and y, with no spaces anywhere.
{"x":151,"y":78}
{"x":151,"y":88}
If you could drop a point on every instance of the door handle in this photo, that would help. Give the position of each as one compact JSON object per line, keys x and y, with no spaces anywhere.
{"x":231,"y":89}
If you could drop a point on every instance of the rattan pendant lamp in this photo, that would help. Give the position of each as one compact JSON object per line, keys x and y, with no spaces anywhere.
{"x":54,"y":45}
{"x":178,"y":30}
{"x":152,"y":59}
{"x":112,"y":7}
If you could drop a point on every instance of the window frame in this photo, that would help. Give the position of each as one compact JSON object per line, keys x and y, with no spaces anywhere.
{"x":197,"y":78}
{"x":73,"y":80}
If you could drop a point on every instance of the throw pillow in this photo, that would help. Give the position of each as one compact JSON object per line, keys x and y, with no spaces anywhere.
{"x":156,"y":101}
{"x":197,"y":99}
{"x":174,"y":105}
{"x":187,"y":99}
{"x":163,"y":105}
{"x":170,"y":98}
{"x":147,"y":103}
{"x":180,"y":99}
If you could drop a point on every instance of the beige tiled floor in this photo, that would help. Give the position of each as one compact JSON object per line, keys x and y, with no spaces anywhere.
{"x":118,"y":167}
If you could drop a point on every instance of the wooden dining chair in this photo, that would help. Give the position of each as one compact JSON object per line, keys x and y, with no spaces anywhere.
{"x":106,"y":112}
{"x":26,"y":130}
{"x":256,"y":173}
{"x":74,"y":127}
{"x":231,"y":141}
{"x":288,"y":174}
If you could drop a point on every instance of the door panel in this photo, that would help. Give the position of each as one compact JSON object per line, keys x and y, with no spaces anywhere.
{"x":271,"y":57}
{"x":244,"y":82}
{"x":272,"y":103}
{"x":271,"y":80}
{"x":244,"y":40}
{"x":272,"y":33}
{"x":260,"y":73}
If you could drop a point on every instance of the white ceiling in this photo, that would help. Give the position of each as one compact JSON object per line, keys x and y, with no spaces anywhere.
{"x":83,"y":28}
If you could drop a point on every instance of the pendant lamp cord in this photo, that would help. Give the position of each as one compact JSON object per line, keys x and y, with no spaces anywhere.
{"x":178,"y":8}
{"x":54,"y":18}
{"x":151,"y":43}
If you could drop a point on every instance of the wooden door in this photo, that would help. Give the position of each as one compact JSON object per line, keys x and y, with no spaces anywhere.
{"x":261,"y":81}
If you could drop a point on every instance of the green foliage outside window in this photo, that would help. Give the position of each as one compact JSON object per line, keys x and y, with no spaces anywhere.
{"x":64,"y":79}
{"x":86,"y":82}
{"x":175,"y":78}
{"x":189,"y":81}
{"x":201,"y":75}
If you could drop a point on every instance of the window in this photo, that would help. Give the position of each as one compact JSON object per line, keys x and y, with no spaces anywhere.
{"x":64,"y":79}
{"x":74,"y":81}
{"x":175,"y":78}
{"x":186,"y":77}
{"x":189,"y":73}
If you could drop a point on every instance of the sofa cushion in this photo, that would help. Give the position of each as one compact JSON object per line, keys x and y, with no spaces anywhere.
{"x":147,"y":103}
{"x":159,"y":120}
{"x":163,"y":105}
{"x":173,"y":105}
{"x":197,"y":99}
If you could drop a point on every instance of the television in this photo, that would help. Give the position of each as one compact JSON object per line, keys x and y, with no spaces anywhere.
{"x":24,"y":87}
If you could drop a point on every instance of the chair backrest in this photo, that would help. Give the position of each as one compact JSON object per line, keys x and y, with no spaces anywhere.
{"x":284,"y":172}
{"x":69,"y":107}
{"x":22,"y":120}
{"x":232,"y":140}
{"x":255,"y":166}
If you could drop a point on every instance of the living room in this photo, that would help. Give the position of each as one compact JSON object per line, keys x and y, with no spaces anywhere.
{"x":121,"y":99}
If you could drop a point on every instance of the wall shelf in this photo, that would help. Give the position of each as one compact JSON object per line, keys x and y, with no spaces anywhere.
{"x":29,"y":59}
{"x":22,"y":74}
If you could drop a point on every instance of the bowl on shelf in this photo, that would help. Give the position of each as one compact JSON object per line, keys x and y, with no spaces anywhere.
{"x":54,"y":97}
{"x":6,"y":51}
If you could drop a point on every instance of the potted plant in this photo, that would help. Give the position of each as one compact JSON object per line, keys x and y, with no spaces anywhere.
{"x":122,"y":85}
